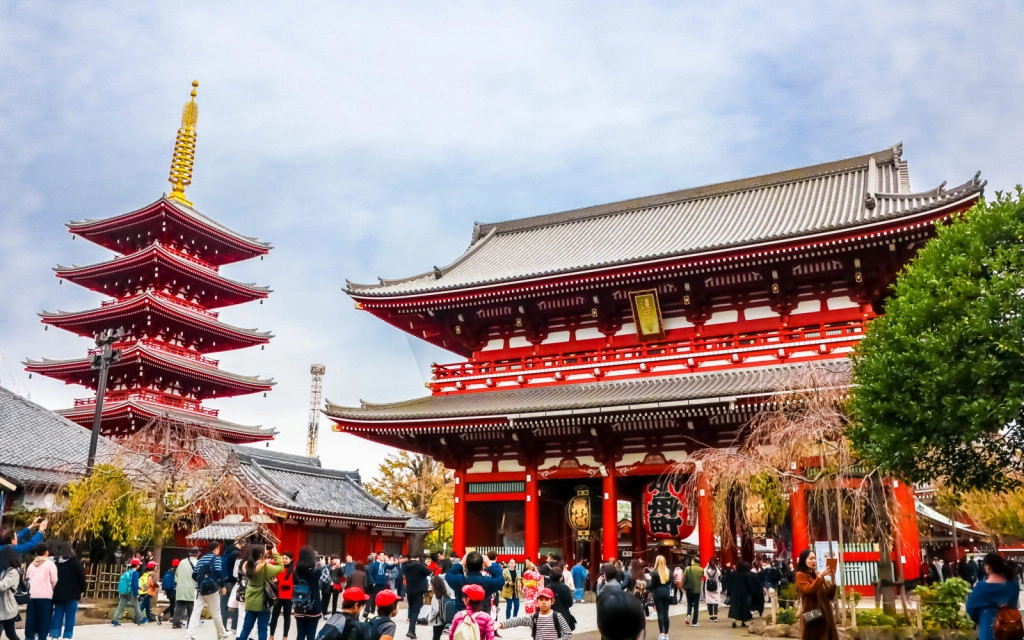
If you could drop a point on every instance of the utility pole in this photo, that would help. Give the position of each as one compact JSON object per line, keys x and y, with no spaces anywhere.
{"x":102,"y":361}
{"x":315,"y":396}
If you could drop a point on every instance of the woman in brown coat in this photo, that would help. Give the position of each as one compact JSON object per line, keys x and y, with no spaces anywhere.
{"x":816,"y":594}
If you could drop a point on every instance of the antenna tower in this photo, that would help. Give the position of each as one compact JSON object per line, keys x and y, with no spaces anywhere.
{"x":315,"y":397}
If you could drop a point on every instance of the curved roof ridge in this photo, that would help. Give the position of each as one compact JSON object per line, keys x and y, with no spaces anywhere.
{"x":885,"y":156}
{"x":438,"y":272}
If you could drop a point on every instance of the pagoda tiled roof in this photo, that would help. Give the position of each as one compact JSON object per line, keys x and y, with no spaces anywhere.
{"x":69,"y":319}
{"x":154,"y":357}
{"x":676,"y":391}
{"x":91,"y":227}
{"x":302,"y":487}
{"x":145,"y":410}
{"x":825,"y":198}
{"x":91,"y":275}
{"x":41,"y":447}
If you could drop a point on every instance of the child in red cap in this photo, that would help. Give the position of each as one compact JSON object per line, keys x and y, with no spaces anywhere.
{"x":386,"y":602}
{"x":545,"y":623}
{"x":462,"y":626}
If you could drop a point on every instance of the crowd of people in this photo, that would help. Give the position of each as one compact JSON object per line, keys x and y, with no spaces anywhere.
{"x":258,"y":589}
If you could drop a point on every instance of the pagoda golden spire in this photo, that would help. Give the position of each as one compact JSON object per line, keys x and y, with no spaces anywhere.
{"x":184,"y":150}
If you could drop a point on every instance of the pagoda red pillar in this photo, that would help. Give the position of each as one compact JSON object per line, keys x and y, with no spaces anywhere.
{"x":705,"y":521}
{"x":459,"y":514}
{"x":610,"y":514}
{"x":908,"y":541}
{"x":798,"y":520}
{"x":532,"y":520}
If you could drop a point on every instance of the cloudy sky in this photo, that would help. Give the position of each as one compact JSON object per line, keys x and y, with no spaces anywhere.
{"x":364,"y":139}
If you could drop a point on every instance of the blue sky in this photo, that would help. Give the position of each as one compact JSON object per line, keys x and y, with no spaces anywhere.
{"x":364,"y":139}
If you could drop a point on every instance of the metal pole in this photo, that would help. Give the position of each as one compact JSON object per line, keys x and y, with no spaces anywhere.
{"x":102,"y":362}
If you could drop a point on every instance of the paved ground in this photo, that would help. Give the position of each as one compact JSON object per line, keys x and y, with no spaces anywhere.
{"x":586,"y":629}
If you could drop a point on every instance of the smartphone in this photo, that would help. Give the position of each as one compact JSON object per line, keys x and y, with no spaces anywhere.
{"x":832,"y":563}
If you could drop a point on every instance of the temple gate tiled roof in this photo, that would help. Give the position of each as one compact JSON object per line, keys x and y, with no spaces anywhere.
{"x":674,"y":391}
{"x":801,"y":202}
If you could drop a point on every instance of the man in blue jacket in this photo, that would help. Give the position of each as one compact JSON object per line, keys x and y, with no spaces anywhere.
{"x":478,"y":570}
{"x":26,"y":539}
{"x":377,"y":574}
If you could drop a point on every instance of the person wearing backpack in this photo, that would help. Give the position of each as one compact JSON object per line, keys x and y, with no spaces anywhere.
{"x":128,"y":594}
{"x":346,"y":625}
{"x":169,"y":584}
{"x":472,"y":623}
{"x":185,"y":590}
{"x":307,"y":599}
{"x":259,"y":596}
{"x":992,"y":604}
{"x":442,"y":606}
{"x":228,"y":560}
{"x":207,"y":576}
{"x":285,"y":589}
{"x":713,"y":588}
{"x":149,"y":587}
{"x":10,"y":580}
{"x":545,"y":623}
{"x":383,"y":627}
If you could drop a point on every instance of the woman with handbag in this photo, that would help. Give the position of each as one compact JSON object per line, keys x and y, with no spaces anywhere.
{"x":817,"y":591}
{"x":260,"y":591}
{"x":10,"y":579}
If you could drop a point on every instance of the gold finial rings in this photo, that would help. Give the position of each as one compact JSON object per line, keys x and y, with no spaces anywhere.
{"x":195,"y":83}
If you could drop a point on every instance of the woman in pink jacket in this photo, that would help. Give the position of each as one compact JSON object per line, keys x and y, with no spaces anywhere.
{"x":42,"y":578}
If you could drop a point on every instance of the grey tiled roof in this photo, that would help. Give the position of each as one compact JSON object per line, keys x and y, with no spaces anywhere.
{"x":230,"y":531}
{"x":610,"y":396}
{"x":794,"y":203}
{"x":299,"y":486}
{"x":39,"y":446}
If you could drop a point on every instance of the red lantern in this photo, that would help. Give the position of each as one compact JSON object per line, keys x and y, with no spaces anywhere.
{"x":666,"y":515}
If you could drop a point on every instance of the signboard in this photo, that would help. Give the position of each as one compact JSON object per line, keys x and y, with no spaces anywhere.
{"x":665,"y":514}
{"x":647,"y":315}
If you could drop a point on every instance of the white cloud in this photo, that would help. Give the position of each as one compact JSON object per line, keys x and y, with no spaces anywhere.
{"x":364,"y":139}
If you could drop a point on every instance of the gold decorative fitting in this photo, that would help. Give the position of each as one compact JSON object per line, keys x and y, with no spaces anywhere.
{"x":184,"y":150}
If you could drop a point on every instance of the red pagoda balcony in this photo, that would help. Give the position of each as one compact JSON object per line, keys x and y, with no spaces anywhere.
{"x":154,"y":397}
{"x":641,"y":359}
{"x":190,"y":258}
{"x":174,"y":350}
{"x":195,"y":308}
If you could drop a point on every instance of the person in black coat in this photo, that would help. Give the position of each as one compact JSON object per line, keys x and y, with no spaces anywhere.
{"x":69,"y":589}
{"x":563,"y":596}
{"x":416,"y":575}
{"x":746,"y":595}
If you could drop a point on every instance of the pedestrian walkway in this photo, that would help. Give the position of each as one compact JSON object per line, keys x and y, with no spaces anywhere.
{"x":586,"y":629}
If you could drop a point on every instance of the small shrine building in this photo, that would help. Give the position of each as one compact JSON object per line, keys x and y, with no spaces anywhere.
{"x":605,"y":344}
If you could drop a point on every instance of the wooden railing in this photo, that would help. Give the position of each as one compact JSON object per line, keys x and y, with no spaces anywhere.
{"x":691,"y":352}
{"x":166,"y":399}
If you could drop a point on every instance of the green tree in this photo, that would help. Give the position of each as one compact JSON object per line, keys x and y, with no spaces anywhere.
{"x":106,"y":507}
{"x":419,"y":485}
{"x":940,"y":378}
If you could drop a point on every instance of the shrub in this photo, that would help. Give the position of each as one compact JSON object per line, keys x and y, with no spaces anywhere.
{"x":941,"y":604}
{"x":786,"y":616}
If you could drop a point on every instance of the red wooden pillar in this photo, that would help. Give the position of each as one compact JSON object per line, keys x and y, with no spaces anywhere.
{"x":532,"y":520}
{"x":705,"y":522}
{"x":459,"y":514}
{"x":610,"y":513}
{"x":908,"y":541}
{"x":798,"y":520}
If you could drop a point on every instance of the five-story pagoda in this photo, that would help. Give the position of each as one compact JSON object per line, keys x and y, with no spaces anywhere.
{"x":165,"y":284}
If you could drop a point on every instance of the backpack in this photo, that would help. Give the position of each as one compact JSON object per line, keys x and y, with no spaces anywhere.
{"x":325,"y":577}
{"x":124,"y":585}
{"x":207,"y":580}
{"x":554,"y":618}
{"x":335,"y":628}
{"x":168,"y":582}
{"x":371,"y":629}
{"x":712,"y":582}
{"x":302,"y":601}
{"x":1008,"y":624}
{"x":448,"y":610}
{"x":640,"y":589}
{"x":468,"y":629}
{"x":241,"y":586}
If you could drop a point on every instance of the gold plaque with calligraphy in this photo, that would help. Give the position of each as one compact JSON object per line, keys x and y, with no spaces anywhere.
{"x":647,"y":315}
